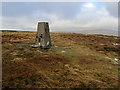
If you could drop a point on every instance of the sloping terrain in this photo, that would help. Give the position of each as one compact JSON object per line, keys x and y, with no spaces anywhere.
{"x":73,"y":61}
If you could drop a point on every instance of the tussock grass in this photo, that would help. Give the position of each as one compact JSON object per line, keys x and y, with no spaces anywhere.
{"x":73,"y":61}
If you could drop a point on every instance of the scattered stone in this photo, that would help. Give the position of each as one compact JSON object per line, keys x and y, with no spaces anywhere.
{"x":116,"y":59}
{"x":76,"y":70}
{"x":67,"y":65}
{"x":34,"y":46}
{"x":102,"y":44}
{"x":63,"y":51}
{"x":108,"y":58}
{"x":73,"y":71}
{"x":56,"y":46}
{"x":38,"y":51}
{"x":101,"y":51}
{"x":14,"y":53}
{"x":116,"y":44}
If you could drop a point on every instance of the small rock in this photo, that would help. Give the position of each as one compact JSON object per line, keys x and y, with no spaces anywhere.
{"x":101,"y":51}
{"x":109,"y":58}
{"x":116,"y":59}
{"x":56,"y":46}
{"x":116,"y":44}
{"x":38,"y":51}
{"x":66,"y":65}
{"x":102,"y":44}
{"x":63,"y":51}
{"x":14,"y":53}
{"x":76,"y":70}
{"x":34,"y":46}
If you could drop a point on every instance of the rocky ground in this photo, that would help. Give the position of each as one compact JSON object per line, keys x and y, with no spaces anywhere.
{"x":73,"y":61}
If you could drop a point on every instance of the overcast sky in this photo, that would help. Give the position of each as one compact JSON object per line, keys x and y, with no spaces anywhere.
{"x":62,"y":16}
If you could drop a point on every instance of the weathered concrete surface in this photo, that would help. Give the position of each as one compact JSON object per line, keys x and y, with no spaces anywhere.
{"x":43,"y":35}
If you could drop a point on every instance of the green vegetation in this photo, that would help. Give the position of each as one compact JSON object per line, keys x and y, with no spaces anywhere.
{"x":73,"y":61}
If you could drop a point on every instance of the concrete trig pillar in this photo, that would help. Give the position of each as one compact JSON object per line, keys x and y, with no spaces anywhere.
{"x":43,"y":35}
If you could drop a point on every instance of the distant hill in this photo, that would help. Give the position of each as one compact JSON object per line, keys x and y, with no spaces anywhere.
{"x":103,"y":32}
{"x":15,"y":31}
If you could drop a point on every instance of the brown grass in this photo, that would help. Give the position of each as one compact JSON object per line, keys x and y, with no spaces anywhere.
{"x":88,"y":61}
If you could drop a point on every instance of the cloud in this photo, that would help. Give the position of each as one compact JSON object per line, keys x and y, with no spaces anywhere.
{"x":22,"y":23}
{"x":16,"y":9}
{"x":90,"y":19}
{"x":87,"y":17}
{"x":112,"y":8}
{"x":89,"y":5}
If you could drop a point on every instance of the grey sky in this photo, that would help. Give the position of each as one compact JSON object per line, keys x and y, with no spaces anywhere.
{"x":69,"y":16}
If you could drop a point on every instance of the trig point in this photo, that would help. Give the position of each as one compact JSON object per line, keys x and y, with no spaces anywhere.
{"x":43,"y":35}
